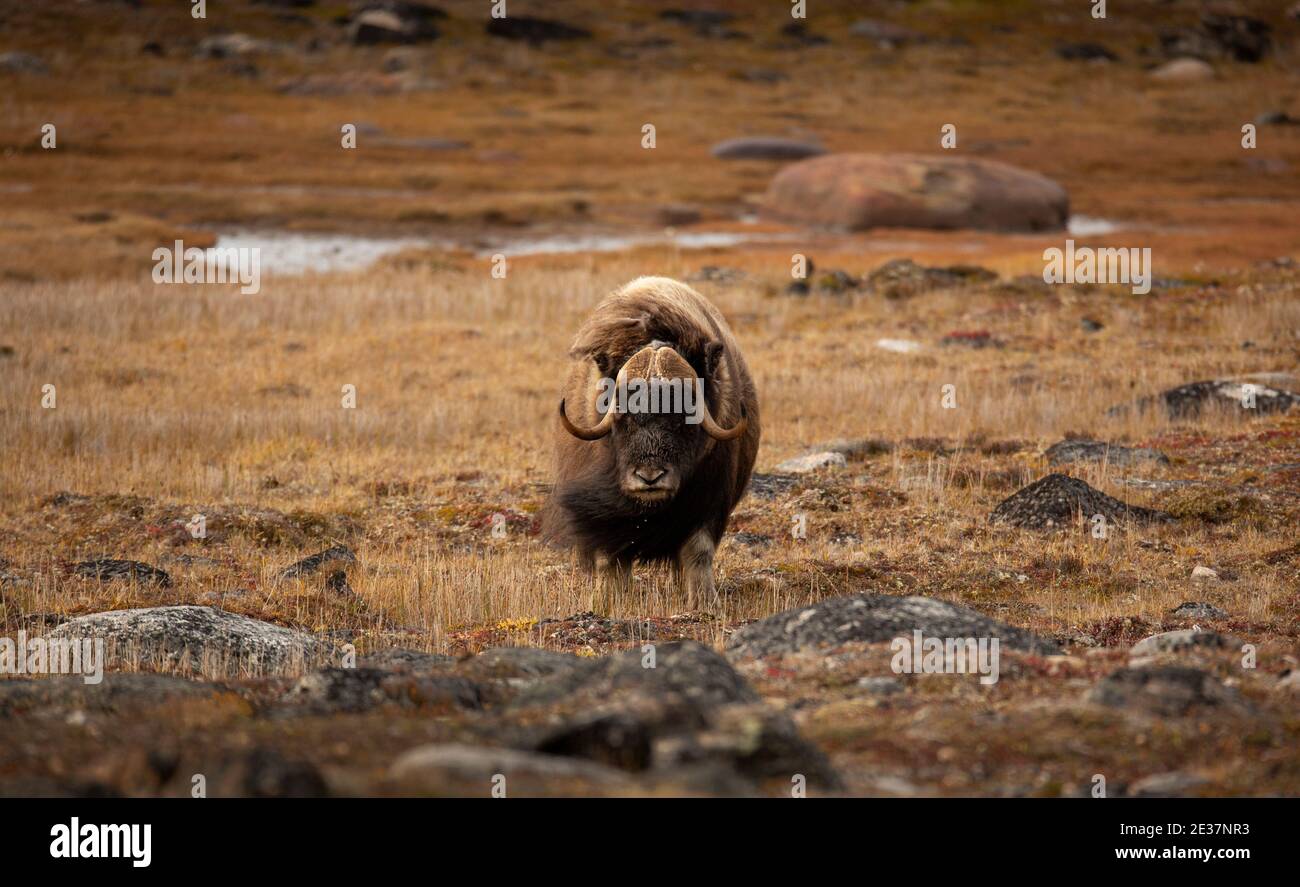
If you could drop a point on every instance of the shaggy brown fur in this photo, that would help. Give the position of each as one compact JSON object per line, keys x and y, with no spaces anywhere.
{"x":588,"y":508}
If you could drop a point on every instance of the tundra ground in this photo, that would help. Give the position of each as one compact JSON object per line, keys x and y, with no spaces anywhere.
{"x":184,"y":400}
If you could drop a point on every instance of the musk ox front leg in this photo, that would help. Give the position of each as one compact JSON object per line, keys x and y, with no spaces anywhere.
{"x":615,"y":580}
{"x":695,"y":570}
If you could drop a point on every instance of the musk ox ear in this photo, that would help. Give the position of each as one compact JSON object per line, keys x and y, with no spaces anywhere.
{"x":713,"y":357}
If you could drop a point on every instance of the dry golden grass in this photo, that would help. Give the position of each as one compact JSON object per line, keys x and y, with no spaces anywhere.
{"x":177,"y":400}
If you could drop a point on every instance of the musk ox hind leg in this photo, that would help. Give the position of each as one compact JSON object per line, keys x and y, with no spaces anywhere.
{"x":614,"y":580}
{"x":695,"y":570}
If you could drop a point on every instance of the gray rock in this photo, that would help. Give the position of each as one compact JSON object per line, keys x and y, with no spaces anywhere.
{"x":399,"y":659}
{"x":874,"y":619}
{"x":1164,"y":690}
{"x":1058,"y":501}
{"x":333,"y":690}
{"x":884,"y":33}
{"x":521,"y":664}
{"x":614,"y":738}
{"x":22,"y":63}
{"x":1198,"y":610}
{"x":115,"y":694}
{"x":880,"y":686}
{"x":691,"y":708}
{"x":1226,"y":396}
{"x":858,"y":192}
{"x":769,"y":486}
{"x":1086,"y":52}
{"x":1187,"y":70}
{"x":857,"y":449}
{"x":812,"y":462}
{"x":902,"y":278}
{"x":447,"y":767}
{"x":226,"y":46}
{"x":332,"y":556}
{"x":170,"y":636}
{"x":1067,"y":451}
{"x":264,"y":772}
{"x":1165,"y":785}
{"x":711,"y":23}
{"x":1276,"y":118}
{"x":685,"y":668}
{"x":1181,"y":641}
{"x":677,"y":215}
{"x":379,"y":26}
{"x":107,"y":569}
{"x":394,"y":22}
{"x":535,"y":31}
{"x":422,"y":144}
{"x":765,"y":148}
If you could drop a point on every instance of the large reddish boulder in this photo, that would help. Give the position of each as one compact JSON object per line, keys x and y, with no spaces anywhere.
{"x":859,"y":191}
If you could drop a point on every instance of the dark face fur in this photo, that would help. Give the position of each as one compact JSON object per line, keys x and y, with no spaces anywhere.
{"x":655,"y":453}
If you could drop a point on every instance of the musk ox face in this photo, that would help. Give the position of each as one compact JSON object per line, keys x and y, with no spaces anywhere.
{"x":657,"y":420}
{"x":653,"y":452}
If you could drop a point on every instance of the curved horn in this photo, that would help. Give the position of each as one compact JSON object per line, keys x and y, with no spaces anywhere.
{"x":717,"y":432}
{"x":599,"y":430}
{"x":606,"y":423}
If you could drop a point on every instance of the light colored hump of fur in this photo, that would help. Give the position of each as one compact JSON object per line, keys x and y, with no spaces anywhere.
{"x":621,"y":319}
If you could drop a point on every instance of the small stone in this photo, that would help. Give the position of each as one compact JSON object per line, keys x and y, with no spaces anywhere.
{"x":176,"y":634}
{"x":857,"y":449}
{"x":769,"y":486}
{"x":880,"y":686}
{"x":1200,"y":572}
{"x":432,"y":769}
{"x":677,"y":215}
{"x":1198,"y":610}
{"x":765,"y":148}
{"x":1164,"y":690}
{"x":109,"y":569}
{"x":22,"y":63}
{"x":1085,"y":52}
{"x":1289,"y":682}
{"x":1180,"y":641}
{"x":812,"y":462}
{"x":1080,"y":450}
{"x":885,"y":33}
{"x":873,"y":619}
{"x":1164,"y":785}
{"x":534,"y":31}
{"x":1186,"y":70}
{"x":1058,"y":500}
{"x":333,"y":555}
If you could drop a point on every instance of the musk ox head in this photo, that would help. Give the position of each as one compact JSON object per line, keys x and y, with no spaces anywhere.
{"x":657,"y":418}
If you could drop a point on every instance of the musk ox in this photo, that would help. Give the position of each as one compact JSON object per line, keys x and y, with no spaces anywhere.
{"x":656,"y":438}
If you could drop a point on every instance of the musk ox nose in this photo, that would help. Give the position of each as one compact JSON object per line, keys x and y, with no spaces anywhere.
{"x":649,"y":476}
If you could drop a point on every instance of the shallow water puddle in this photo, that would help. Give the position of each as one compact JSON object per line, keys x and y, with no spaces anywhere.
{"x":286,"y":252}
{"x":608,"y":243}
